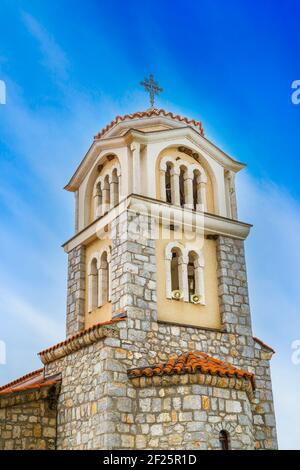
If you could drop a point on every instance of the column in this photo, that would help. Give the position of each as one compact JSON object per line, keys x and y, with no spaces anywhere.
{"x":162,"y":179}
{"x":183,"y":277}
{"x":201,"y":196}
{"x":106,"y":196}
{"x":188,"y":192}
{"x":136,"y":167}
{"x":175,"y":187}
{"x":114,"y":191}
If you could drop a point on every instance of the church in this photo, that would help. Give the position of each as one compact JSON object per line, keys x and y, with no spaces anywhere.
{"x":159,"y":350}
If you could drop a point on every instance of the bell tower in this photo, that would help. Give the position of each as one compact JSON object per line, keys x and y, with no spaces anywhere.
{"x":158,"y":242}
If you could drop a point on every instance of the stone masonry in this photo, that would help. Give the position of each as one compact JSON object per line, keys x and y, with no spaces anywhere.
{"x":76,"y":291}
{"x":28,"y":421}
{"x":99,"y":407}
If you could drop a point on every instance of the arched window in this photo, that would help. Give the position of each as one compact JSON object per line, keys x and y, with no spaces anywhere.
{"x":168,"y":187}
{"x":224,"y":440}
{"x":114,"y":188}
{"x":104,"y":278}
{"x":191,"y":274}
{"x":174,"y":269}
{"x":196,"y":201}
{"x":195,"y":274}
{"x":93,"y":285}
{"x":182,"y":177}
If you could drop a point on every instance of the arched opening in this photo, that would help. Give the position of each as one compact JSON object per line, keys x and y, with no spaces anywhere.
{"x":191,"y":274}
{"x":104,"y":278}
{"x":93,"y":286}
{"x":168,"y":185}
{"x":196,"y":198}
{"x":175,"y":269}
{"x":224,"y":440}
{"x":115,"y":188}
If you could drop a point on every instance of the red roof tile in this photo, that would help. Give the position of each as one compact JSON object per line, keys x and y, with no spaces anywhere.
{"x":33,"y":380}
{"x":190,"y":363}
{"x":82,"y":333}
{"x":150,"y":113}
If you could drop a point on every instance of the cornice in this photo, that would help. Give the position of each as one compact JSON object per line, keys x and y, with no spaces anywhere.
{"x":151,"y":137}
{"x":243,"y":384}
{"x":210,"y":224}
{"x":81,"y":340}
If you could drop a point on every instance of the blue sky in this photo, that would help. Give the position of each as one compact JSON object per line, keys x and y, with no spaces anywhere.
{"x":70,"y":67}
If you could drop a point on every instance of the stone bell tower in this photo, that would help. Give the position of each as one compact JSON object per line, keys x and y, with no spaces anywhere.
{"x":159,"y":352}
{"x":157,"y":230}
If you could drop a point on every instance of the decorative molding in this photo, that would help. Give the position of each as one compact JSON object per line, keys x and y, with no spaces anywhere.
{"x":243,"y":384}
{"x":81,"y":340}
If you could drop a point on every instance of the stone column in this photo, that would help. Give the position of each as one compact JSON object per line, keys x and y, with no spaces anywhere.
{"x":133,"y":275}
{"x":175,"y":186}
{"x":199,"y":281}
{"x":113,"y":185}
{"x":162,"y":179}
{"x":106,"y":196}
{"x":188,"y":192}
{"x":76,"y":291}
{"x":183,"y":277}
{"x":201,"y":196}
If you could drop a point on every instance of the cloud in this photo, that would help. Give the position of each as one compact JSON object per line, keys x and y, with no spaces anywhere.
{"x":53,"y":56}
{"x":273,"y":260}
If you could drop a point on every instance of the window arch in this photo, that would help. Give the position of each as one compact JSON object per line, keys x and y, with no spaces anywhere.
{"x":224,"y":439}
{"x":168,"y":185}
{"x":93,"y":283}
{"x":196,"y":277}
{"x":106,"y":190}
{"x":104,"y":276}
{"x":184,"y":271}
{"x":176,"y":270}
{"x":182,"y":183}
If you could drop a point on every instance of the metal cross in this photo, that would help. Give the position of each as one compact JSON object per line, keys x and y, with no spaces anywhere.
{"x":151,"y":86}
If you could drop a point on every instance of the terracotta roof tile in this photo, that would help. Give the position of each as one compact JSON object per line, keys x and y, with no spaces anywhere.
{"x":82,"y":333}
{"x":190,"y":363}
{"x":150,"y":113}
{"x":32,"y":381}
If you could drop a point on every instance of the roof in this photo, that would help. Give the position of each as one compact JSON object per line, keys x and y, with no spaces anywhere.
{"x":150,"y":113}
{"x":79,"y":340}
{"x":32,"y":381}
{"x":190,"y":363}
{"x":259,"y":341}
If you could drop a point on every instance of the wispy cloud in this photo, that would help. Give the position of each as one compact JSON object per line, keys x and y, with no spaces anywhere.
{"x":273,"y":259}
{"x":37,"y":322}
{"x":53,"y":56}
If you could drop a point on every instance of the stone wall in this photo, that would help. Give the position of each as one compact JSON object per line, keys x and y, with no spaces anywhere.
{"x":99,"y":407}
{"x":76,"y":291}
{"x":27,"y":421}
{"x":191,"y":417}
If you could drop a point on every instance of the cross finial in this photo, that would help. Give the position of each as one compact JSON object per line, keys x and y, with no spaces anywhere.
{"x":151,"y":86}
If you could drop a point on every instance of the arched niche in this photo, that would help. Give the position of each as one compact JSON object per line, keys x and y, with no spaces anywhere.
{"x":171,"y":156}
{"x":107,"y":168}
